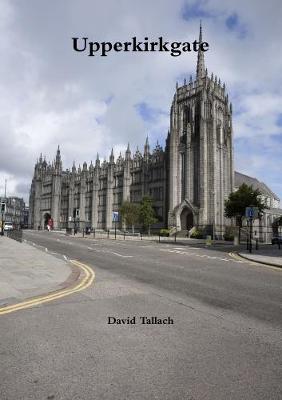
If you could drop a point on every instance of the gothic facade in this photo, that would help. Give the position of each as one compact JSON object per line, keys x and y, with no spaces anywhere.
{"x":188,"y":180}
{"x":91,"y":194}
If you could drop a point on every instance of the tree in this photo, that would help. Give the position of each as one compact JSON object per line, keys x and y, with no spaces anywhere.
{"x":147,"y":214}
{"x":130,"y":213}
{"x":237,"y":202}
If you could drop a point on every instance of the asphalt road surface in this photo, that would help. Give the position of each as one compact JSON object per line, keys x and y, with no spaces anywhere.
{"x":225,"y":341}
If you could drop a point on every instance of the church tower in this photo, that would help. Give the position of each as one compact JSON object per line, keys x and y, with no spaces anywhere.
{"x":200,"y":153}
{"x":56,"y":190}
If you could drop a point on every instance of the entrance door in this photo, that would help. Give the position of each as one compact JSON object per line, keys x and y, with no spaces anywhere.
{"x":186,"y":219}
{"x":47,"y":217}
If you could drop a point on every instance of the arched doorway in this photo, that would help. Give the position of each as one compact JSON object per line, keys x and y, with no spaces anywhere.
{"x":186,"y":219}
{"x":47,"y":217}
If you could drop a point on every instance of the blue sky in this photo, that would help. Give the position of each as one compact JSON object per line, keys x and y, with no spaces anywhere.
{"x":51,"y":95}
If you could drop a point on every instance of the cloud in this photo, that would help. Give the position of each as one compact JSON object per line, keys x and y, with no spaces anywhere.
{"x":197,"y":9}
{"x":233,"y":24}
{"x":52,"y":95}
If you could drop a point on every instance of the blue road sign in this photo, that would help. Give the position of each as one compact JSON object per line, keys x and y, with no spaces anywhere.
{"x":115,"y":216}
{"x":251,"y":212}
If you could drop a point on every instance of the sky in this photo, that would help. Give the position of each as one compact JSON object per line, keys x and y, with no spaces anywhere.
{"x":52,"y":95}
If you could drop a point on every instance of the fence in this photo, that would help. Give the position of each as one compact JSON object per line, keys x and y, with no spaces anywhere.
{"x":261,"y":234}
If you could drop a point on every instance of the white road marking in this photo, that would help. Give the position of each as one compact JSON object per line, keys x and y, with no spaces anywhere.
{"x":46,"y":249}
{"x":119,"y":255}
{"x":90,"y":248}
{"x":175,"y":251}
{"x":187,"y":248}
{"x":65,"y":257}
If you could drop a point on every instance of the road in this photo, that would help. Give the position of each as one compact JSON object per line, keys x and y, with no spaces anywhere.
{"x":224,"y":342}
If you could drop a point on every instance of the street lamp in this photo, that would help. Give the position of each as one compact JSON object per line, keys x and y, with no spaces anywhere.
{"x":3,"y":210}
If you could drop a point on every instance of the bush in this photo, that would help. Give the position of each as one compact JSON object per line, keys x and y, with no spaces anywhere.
{"x":229,"y":233}
{"x":164,"y":232}
{"x":197,"y":234}
{"x":228,"y":237}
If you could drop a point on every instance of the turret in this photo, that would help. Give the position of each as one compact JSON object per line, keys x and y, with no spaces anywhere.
{"x":127,"y":153}
{"x":73,"y":170}
{"x":146,"y":149}
{"x":58,"y":162}
{"x":112,"y":158}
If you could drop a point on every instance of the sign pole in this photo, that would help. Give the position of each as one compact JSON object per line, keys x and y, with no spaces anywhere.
{"x":115,"y":220}
{"x":251,"y":234}
{"x":2,"y":225}
{"x":3,"y":210}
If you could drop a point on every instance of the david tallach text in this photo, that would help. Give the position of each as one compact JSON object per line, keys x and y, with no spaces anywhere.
{"x":142,"y":320}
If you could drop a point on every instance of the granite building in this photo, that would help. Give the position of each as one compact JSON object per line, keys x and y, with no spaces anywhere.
{"x":15,"y":210}
{"x":188,"y":180}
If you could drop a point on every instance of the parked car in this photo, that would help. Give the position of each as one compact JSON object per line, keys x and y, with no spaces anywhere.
{"x":8,"y":226}
{"x":276,"y":240}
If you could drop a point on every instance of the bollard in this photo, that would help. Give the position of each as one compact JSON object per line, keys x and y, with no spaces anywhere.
{"x":141,"y":235}
{"x":94,"y":233}
{"x":175,"y":237}
{"x":124,"y":235}
{"x":159,"y":238}
{"x":256,"y":244}
{"x":208,"y":240}
{"x":83,"y":232}
{"x":108,"y":233}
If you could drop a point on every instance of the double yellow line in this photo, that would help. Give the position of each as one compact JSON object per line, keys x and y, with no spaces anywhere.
{"x":87,"y":280}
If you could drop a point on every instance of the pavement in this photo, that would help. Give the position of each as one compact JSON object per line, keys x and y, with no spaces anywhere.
{"x":267,"y":254}
{"x":26,"y":271}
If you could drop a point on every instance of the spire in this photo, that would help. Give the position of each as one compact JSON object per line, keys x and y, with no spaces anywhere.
{"x":112,"y":158}
{"x":97,"y":164}
{"x":58,"y":155}
{"x":58,"y":161}
{"x":201,"y":60}
{"x":146,"y":147}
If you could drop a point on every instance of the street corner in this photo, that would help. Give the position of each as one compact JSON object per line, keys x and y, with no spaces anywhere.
{"x":31,"y":277}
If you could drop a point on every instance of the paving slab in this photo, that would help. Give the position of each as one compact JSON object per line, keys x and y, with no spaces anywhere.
{"x":267,"y":254}
{"x":26,"y":271}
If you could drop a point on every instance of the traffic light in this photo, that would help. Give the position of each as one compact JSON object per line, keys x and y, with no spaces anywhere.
{"x":3,"y":208}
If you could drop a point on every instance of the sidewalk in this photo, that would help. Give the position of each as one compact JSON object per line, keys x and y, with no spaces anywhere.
{"x":26,"y":271}
{"x":267,"y":254}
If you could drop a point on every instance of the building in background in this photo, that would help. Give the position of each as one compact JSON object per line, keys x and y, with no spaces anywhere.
{"x":25,"y":217}
{"x":264,"y":227}
{"x":15,"y":209}
{"x":188,"y":181}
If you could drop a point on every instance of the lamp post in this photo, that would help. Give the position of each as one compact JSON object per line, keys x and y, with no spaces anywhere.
{"x":2,"y":219}
{"x":3,"y":209}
